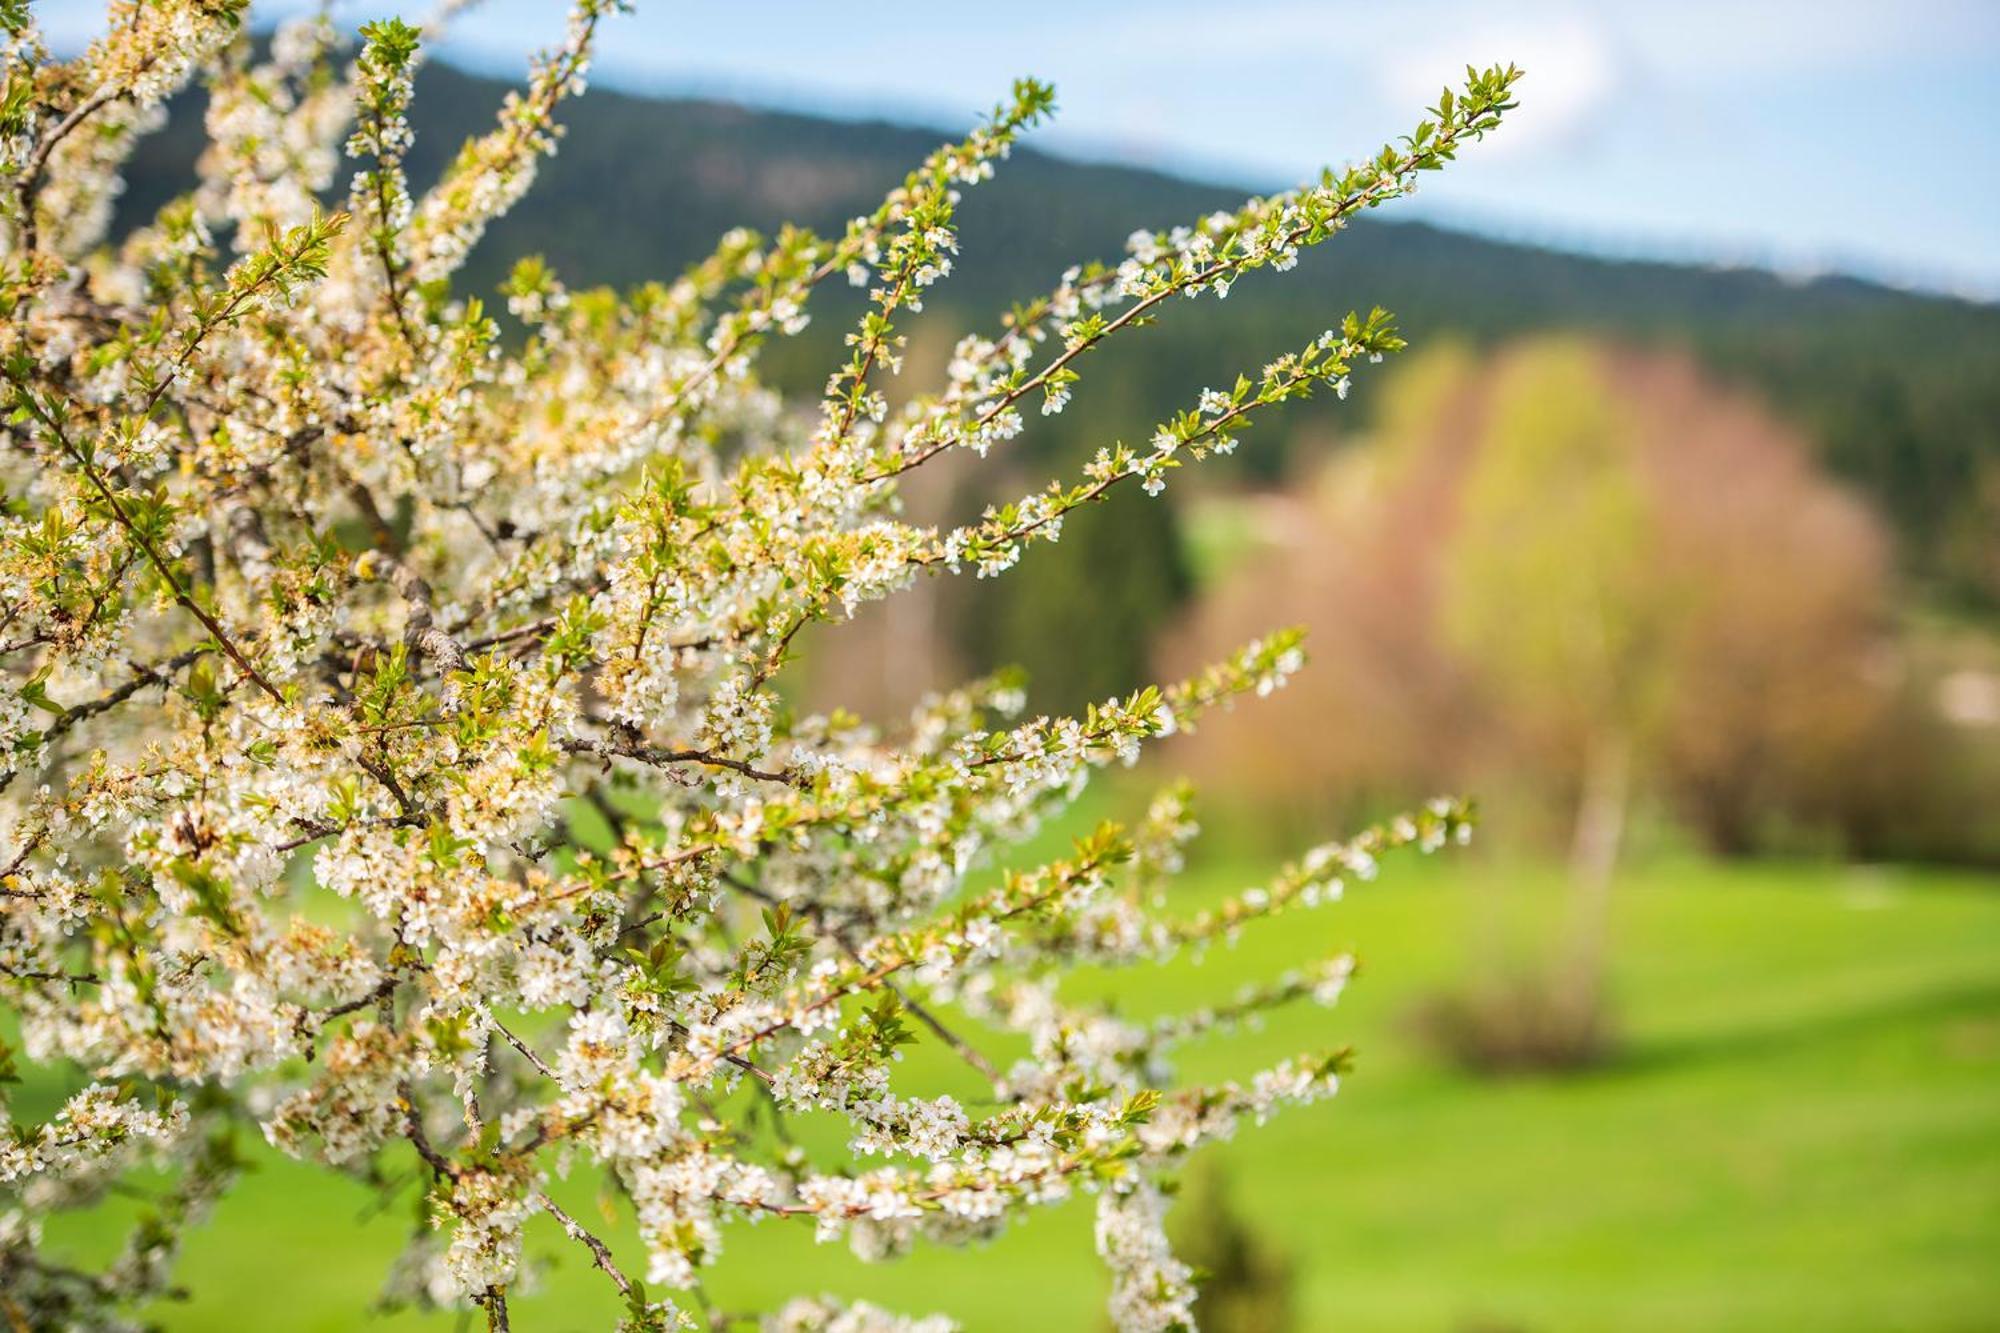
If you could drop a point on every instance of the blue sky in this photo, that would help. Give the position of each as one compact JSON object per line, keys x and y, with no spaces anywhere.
{"x":1857,"y":135}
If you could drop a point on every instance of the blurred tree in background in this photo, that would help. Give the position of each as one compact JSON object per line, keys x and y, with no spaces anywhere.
{"x":1246,"y":1282}
{"x":1551,"y":595}
{"x":1553,"y":599}
{"x":1566,"y":553}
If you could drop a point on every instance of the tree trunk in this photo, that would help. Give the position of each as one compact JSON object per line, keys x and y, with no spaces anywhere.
{"x":1593,"y":857}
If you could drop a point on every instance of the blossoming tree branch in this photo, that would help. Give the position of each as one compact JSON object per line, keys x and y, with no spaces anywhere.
{"x":324,"y":600}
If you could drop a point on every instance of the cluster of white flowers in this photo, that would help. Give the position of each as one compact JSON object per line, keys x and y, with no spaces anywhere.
{"x":393,"y":755}
{"x":823,"y":1314}
{"x":1151,"y":1291}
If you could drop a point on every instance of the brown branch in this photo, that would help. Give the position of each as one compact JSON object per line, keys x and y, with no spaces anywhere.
{"x":1063,"y":875}
{"x":383,"y":989}
{"x":145,"y":543}
{"x":600,"y":1253}
{"x":495,"y":1302}
{"x":38,"y":161}
{"x":1131,"y":315}
{"x":817,"y":913}
{"x":142,"y":676}
{"x":964,"y":1049}
{"x":420,"y":628}
{"x":71,"y":979}
{"x":314,"y":830}
{"x":746,"y":1065}
{"x":527,"y":1051}
{"x":414,"y":1131}
{"x":661,"y":757}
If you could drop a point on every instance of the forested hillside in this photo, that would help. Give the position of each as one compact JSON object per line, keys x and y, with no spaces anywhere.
{"x":1901,"y":393}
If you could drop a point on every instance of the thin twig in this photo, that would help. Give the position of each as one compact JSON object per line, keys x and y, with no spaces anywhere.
{"x":142,"y":676}
{"x":661,"y":757}
{"x":413,"y":1129}
{"x":145,"y":543}
{"x":527,"y":1051}
{"x":38,"y":161}
{"x":495,"y":1301}
{"x":600,"y":1252}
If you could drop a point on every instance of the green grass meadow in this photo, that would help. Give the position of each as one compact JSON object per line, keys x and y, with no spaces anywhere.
{"x":1801,"y":1130}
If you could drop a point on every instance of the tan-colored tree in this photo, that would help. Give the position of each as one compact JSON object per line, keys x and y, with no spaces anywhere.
{"x":1577,"y":576}
{"x":1552,"y":543}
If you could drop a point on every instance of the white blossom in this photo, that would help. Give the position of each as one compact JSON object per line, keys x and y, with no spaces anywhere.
{"x":396,"y":751}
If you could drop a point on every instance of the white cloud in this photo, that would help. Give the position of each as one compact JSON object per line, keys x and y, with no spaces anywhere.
{"x":1572,"y":70}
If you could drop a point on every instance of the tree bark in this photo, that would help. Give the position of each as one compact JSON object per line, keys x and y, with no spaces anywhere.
{"x":1598,"y":836}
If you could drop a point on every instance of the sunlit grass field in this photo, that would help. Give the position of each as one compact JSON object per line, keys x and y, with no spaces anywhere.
{"x":1801,"y":1130}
